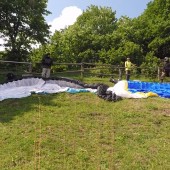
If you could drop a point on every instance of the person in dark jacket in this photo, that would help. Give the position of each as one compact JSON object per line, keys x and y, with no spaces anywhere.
{"x":46,"y":65}
{"x":166,"y":69}
{"x":10,"y":77}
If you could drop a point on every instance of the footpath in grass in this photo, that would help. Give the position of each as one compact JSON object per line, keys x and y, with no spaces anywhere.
{"x":83,"y":132}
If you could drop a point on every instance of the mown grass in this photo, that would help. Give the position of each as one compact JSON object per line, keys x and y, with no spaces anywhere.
{"x":83,"y":132}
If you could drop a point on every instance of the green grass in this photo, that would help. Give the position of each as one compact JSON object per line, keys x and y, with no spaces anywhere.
{"x":83,"y":132}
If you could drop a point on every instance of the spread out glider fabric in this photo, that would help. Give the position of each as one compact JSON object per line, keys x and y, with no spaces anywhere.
{"x":20,"y":88}
{"x":138,"y":89}
{"x":121,"y":89}
{"x":161,"y":89}
{"x":125,"y":89}
{"x":25,"y":87}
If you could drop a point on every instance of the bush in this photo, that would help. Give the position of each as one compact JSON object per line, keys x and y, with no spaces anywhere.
{"x":150,"y":65}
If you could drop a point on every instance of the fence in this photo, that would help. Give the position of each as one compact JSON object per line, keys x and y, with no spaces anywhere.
{"x":104,"y":70}
{"x":81,"y":69}
{"x":14,"y":66}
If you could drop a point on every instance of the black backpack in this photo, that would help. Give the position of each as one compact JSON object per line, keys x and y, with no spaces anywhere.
{"x":107,"y":95}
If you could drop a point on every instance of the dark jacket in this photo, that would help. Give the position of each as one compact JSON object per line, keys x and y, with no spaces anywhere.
{"x":166,"y":68}
{"x":47,"y":61}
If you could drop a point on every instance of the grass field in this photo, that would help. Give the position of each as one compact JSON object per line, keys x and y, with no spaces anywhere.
{"x":83,"y":132}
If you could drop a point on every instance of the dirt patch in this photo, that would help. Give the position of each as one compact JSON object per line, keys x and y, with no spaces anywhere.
{"x":94,"y":114}
{"x":163,"y":111}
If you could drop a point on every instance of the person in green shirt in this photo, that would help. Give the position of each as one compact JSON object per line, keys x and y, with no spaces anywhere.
{"x":128,"y":68}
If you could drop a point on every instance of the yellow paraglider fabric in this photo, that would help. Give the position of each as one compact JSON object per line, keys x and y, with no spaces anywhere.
{"x":122,"y":89}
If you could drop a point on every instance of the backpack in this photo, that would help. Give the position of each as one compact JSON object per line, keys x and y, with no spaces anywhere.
{"x":107,"y":95}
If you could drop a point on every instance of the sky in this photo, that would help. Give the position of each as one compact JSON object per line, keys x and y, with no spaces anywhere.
{"x":65,"y":12}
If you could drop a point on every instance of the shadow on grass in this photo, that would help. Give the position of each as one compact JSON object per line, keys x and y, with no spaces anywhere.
{"x":10,"y":108}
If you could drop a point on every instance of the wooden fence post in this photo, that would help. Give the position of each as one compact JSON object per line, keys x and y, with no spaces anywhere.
{"x":158,"y":73}
{"x":82,"y":69}
{"x":120,"y":73}
{"x":30,"y":67}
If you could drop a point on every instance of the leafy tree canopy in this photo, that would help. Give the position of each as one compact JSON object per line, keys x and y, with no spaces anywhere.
{"x":98,"y":36}
{"x":22,"y":24}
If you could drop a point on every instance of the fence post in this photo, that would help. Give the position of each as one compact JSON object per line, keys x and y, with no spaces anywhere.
{"x":158,"y":73}
{"x":30,"y":67}
{"x":82,"y":69}
{"x":120,"y":73}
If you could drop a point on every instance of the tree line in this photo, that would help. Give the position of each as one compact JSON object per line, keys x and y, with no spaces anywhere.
{"x":97,"y":36}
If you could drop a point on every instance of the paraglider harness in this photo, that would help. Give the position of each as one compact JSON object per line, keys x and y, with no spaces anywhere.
{"x":102,"y":89}
{"x":103,"y":93}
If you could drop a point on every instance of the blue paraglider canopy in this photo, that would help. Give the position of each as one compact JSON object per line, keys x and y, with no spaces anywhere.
{"x":162,"y":89}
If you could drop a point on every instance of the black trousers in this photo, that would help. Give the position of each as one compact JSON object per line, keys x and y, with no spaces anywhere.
{"x":127,"y":75}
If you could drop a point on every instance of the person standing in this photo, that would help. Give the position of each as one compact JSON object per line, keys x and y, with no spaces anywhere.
{"x":166,"y":69}
{"x":128,"y":67}
{"x":46,"y":65}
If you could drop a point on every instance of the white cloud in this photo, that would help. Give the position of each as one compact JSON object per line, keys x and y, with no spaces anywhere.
{"x":68,"y":17}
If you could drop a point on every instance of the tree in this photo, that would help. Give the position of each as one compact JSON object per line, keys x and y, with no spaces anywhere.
{"x":153,"y":27}
{"x":22,"y":25}
{"x":123,"y":43}
{"x":97,"y":36}
{"x":90,"y":34}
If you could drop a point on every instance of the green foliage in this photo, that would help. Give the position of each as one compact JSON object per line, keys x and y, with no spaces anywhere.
{"x":84,"y":40}
{"x":98,"y":36}
{"x":100,"y":71}
{"x":2,"y":53}
{"x":22,"y":24}
{"x":150,"y":66}
{"x":156,"y":30}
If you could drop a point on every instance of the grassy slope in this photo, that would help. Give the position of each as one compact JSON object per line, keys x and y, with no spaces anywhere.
{"x":81,"y":131}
